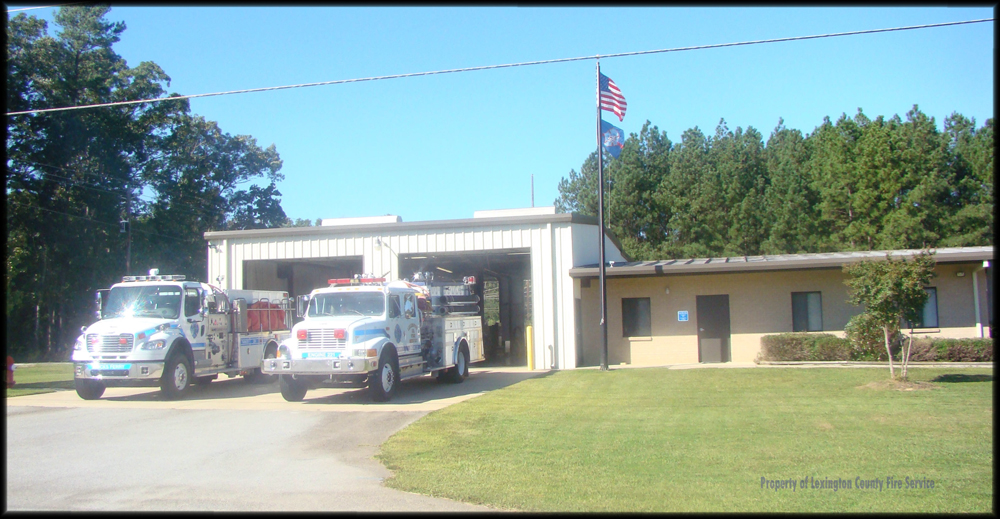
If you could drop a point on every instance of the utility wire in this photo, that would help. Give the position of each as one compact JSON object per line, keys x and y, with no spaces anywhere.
{"x":95,"y":221}
{"x":40,"y":7}
{"x":490,"y":67}
{"x":73,"y":182}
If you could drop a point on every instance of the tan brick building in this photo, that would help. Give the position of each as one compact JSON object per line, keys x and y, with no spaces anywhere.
{"x":717,"y":309}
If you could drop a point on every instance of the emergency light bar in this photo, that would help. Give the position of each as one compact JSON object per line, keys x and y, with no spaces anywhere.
{"x":354,"y":281}
{"x":171,"y":277}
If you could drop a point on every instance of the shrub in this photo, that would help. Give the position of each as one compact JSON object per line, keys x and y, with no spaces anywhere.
{"x":868,"y":340}
{"x":966,"y":350}
{"x":829,"y":347}
{"x":926,"y":349}
{"x":803,"y":347}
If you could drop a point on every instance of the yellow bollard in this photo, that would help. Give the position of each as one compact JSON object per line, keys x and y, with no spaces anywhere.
{"x":529,"y":340}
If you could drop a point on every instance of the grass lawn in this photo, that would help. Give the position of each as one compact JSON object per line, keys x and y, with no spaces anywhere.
{"x":700,"y":440}
{"x":43,"y":377}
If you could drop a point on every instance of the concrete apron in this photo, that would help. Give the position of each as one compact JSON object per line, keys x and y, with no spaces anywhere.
{"x":421,"y":394}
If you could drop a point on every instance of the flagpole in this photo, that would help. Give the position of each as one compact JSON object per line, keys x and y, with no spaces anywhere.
{"x":600,"y":218}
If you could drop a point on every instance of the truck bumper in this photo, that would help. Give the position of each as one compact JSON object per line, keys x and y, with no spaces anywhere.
{"x":118,"y":371}
{"x":317,"y":366}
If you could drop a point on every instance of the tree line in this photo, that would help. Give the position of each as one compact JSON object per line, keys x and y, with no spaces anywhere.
{"x":89,"y":190}
{"x":854,"y":184}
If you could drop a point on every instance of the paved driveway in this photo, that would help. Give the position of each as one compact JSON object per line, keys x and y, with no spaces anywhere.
{"x":230,"y":446}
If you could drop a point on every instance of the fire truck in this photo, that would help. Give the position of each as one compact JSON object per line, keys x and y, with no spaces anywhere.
{"x":168,"y":330}
{"x":366,"y":332}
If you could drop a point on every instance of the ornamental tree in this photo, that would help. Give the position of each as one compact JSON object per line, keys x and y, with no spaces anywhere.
{"x":892,"y":292}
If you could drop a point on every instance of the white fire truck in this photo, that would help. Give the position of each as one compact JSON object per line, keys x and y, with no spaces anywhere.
{"x":176,"y":332}
{"x":366,"y":332}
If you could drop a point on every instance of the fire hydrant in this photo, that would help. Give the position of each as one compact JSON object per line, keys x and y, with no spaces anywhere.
{"x":10,"y":371}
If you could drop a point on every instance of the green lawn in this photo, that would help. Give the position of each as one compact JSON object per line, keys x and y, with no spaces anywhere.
{"x":42,"y":378}
{"x":657,"y":440}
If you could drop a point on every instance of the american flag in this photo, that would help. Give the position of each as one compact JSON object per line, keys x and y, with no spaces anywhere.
{"x":612,"y":99}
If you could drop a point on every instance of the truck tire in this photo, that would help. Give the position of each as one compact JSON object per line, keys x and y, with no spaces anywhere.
{"x":89,"y":389}
{"x":384,"y":381}
{"x":460,"y":370}
{"x":176,"y":379}
{"x":293,"y":390}
{"x":257,"y":376}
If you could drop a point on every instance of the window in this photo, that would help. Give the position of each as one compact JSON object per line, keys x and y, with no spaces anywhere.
{"x":409,"y":307}
{"x":393,"y":306}
{"x":929,"y":317}
{"x":807,"y":312}
{"x":635,"y":317}
{"x":192,"y":301}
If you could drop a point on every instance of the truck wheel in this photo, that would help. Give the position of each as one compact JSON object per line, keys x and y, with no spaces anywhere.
{"x":293,"y":390}
{"x":257,"y":376}
{"x":457,"y":374}
{"x":176,"y":379}
{"x":384,"y":381}
{"x":89,"y":389}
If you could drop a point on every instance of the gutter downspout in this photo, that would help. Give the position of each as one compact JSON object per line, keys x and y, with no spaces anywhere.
{"x":975,"y":298}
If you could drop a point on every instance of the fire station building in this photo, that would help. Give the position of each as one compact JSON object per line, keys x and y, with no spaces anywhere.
{"x":537,"y":270}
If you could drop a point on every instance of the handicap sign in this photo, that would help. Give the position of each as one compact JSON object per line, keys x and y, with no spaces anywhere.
{"x":682,"y":316}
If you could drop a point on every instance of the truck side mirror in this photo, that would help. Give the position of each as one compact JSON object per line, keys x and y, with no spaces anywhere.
{"x":101,"y":297}
{"x":208,"y":304}
{"x":301,"y":305}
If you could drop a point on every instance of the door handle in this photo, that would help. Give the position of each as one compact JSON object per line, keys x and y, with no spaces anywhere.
{"x":701,"y":329}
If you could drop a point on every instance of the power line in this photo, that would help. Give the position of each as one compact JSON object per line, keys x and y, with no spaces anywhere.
{"x":40,"y":7}
{"x":73,"y":182}
{"x":94,"y":221}
{"x":491,"y":67}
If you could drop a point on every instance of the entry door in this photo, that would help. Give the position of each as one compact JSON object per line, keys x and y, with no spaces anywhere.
{"x":713,"y":328}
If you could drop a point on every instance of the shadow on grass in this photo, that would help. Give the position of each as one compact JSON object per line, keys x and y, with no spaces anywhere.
{"x":963,"y":378}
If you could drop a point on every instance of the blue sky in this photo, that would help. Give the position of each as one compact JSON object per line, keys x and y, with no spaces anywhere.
{"x":443,"y":146}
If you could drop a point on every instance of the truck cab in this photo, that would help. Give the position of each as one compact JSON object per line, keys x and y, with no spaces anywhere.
{"x":366,"y":332}
{"x":166,"y":329}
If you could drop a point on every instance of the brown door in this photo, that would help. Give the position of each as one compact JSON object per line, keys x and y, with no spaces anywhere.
{"x":713,"y":328}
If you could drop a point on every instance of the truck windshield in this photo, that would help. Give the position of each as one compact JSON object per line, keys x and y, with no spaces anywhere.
{"x":143,"y":301}
{"x":352,"y":303}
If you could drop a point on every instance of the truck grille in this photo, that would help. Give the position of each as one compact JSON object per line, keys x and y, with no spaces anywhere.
{"x":322,"y":338}
{"x":110,"y":343}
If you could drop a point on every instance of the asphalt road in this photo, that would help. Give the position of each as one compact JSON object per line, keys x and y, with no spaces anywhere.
{"x":230,"y":446}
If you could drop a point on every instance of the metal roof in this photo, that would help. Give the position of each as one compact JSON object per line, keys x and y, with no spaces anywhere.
{"x":406,"y":226}
{"x":776,"y":262}
{"x":397,"y":227}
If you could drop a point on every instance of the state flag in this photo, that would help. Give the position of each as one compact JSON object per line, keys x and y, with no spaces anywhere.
{"x":612,"y":138}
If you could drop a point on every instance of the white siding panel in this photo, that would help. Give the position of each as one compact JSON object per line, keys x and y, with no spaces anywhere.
{"x":564,"y":313}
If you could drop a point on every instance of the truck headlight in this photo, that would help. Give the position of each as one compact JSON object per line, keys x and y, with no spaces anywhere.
{"x":283,"y":352}
{"x":155,"y":345}
{"x":364,"y":353}
{"x":79,"y":344}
